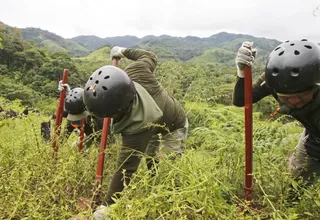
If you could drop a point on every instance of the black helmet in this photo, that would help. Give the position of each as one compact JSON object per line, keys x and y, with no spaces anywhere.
{"x":74,"y":101}
{"x":293,"y":66}
{"x":108,"y":90}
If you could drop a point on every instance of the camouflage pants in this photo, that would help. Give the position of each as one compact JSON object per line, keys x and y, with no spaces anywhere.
{"x":303,"y":165}
{"x":130,"y":155}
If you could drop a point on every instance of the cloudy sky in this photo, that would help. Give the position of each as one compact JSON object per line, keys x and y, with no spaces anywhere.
{"x":277,"y":19}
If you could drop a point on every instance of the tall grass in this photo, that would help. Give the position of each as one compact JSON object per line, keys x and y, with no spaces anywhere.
{"x":207,"y":182}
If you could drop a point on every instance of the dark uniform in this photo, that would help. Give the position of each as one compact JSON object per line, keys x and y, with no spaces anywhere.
{"x":306,"y":159}
{"x":152,"y":104}
{"x":92,"y":129}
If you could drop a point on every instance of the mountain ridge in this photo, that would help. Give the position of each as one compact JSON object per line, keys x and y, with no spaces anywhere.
{"x":165,"y":46}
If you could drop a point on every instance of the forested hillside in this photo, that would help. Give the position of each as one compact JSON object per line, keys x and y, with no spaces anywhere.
{"x":53,"y":42}
{"x":30,"y":73}
{"x":30,"y":70}
{"x":207,"y":182}
{"x":220,"y":46}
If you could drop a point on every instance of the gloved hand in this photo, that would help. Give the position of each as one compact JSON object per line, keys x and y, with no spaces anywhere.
{"x":63,"y":86}
{"x":77,"y":131}
{"x":75,"y":143}
{"x":245,"y":57}
{"x":102,"y":213}
{"x":116,"y":52}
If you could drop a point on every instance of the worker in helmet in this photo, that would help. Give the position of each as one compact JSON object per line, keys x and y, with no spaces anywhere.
{"x":291,"y":75}
{"x":142,"y":110}
{"x":75,"y":112}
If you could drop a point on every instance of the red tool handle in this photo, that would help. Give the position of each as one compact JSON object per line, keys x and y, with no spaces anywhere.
{"x":103,"y":143}
{"x":115,"y":62}
{"x":248,"y":132}
{"x":59,"y":112}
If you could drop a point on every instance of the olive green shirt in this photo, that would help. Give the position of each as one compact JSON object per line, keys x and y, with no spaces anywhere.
{"x":152,"y":104}
{"x":136,"y":132}
{"x":142,"y":72}
{"x":144,"y":111}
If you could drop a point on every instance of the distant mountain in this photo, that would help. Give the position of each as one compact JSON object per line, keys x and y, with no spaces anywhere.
{"x":93,"y":42}
{"x":181,"y":48}
{"x":53,"y":42}
{"x":220,"y":47}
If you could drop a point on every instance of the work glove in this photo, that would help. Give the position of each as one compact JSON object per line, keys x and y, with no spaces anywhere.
{"x":102,"y":213}
{"x":77,"y":142}
{"x":116,"y":52}
{"x":62,"y":86}
{"x":245,"y":57}
{"x":77,"y":131}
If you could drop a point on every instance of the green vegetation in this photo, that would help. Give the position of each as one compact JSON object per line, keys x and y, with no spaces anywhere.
{"x":53,"y":42}
{"x":206,"y":183}
{"x":29,"y":73}
{"x":166,"y":47}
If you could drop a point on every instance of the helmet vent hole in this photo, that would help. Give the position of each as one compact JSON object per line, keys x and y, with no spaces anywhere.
{"x":282,"y":52}
{"x":292,"y":44}
{"x":104,"y":88}
{"x":91,"y":78}
{"x":74,"y":97}
{"x":308,"y":46}
{"x":70,"y":95}
{"x":277,"y":48}
{"x":286,"y":41}
{"x":75,"y":92}
{"x":275,"y":71}
{"x":106,"y":77}
{"x":94,"y":93}
{"x":88,"y":88}
{"x":99,"y":72}
{"x":296,"y":52}
{"x":97,"y":81}
{"x":304,"y":40}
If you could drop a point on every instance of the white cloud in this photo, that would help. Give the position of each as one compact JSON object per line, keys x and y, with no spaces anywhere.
{"x":69,"y":18}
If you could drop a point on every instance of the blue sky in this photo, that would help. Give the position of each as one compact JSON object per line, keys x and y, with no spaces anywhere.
{"x":280,"y":20}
